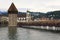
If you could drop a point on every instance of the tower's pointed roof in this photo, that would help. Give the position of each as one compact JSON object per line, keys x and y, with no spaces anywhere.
{"x":12,"y":8}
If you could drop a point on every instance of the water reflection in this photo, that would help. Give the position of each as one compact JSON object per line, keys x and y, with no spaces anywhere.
{"x":26,"y":34}
{"x":23,"y":34}
{"x":12,"y":33}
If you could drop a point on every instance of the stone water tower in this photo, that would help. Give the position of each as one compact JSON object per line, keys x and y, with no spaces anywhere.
{"x":12,"y":14}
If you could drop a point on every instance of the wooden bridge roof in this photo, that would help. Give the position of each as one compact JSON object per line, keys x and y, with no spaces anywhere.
{"x":22,"y":15}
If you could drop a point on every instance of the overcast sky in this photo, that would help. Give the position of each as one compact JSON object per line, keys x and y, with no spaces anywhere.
{"x":32,"y":5}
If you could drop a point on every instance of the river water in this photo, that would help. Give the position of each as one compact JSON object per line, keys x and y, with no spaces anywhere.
{"x":27,"y":34}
